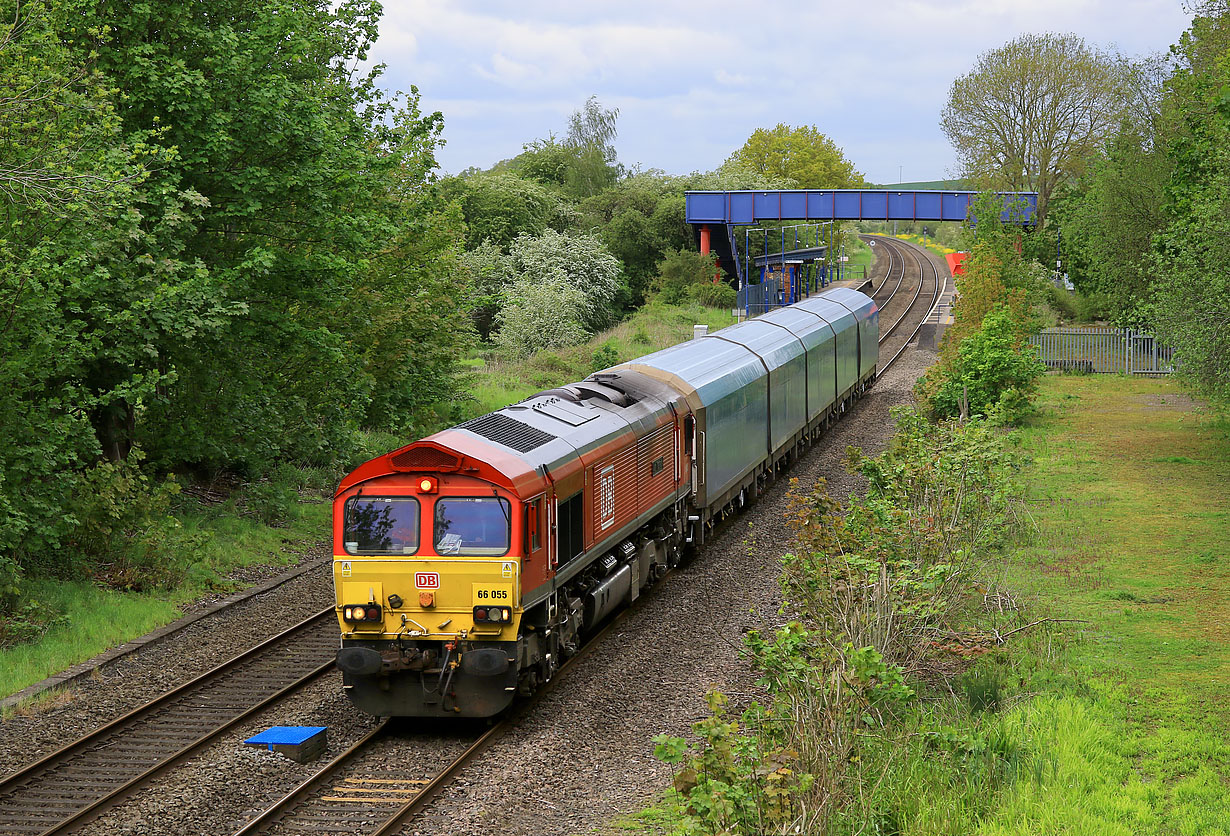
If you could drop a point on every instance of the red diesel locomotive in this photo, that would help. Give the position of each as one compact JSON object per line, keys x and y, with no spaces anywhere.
{"x":469,"y":565}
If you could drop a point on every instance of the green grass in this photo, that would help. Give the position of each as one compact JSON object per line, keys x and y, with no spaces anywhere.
{"x":861,"y":256}
{"x":1131,"y":498}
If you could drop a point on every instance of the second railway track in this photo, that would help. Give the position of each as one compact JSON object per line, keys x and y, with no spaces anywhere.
{"x":72,"y":786}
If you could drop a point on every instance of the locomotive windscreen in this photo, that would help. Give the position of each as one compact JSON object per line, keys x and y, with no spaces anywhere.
{"x":381,"y":525}
{"x":471,"y":525}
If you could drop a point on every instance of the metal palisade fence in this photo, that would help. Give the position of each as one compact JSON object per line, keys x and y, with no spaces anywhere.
{"x":1103,"y":351}
{"x":756,"y":299}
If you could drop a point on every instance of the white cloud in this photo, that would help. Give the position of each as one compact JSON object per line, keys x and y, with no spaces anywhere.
{"x":692,"y":81}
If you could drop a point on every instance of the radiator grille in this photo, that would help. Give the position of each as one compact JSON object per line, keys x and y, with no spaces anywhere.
{"x":508,"y":431}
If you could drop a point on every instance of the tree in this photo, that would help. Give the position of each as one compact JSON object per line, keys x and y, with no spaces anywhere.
{"x":1109,"y":219}
{"x":88,"y":288}
{"x":1189,"y":306}
{"x":544,"y":161}
{"x":308,"y":178}
{"x":58,"y":121}
{"x":1031,"y":114}
{"x":802,"y":155}
{"x":639,"y":220}
{"x":591,"y":139}
{"x":499,"y":207}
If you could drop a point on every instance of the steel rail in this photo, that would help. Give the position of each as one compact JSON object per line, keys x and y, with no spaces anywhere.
{"x":156,"y":737}
{"x":935,"y":300}
{"x":884,"y":335}
{"x":894,"y":258}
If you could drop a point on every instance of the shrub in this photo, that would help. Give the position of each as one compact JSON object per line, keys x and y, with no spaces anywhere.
{"x":719,"y":295}
{"x":271,"y":501}
{"x":734,"y":781}
{"x":125,"y":535}
{"x":681,"y":271}
{"x":995,"y":369}
{"x":538,"y":316}
{"x":563,"y":287}
{"x":604,"y":357}
{"x":27,"y":623}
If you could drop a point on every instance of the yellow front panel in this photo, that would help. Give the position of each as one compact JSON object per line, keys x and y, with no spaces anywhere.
{"x":457,"y":585}
{"x":362,"y":592}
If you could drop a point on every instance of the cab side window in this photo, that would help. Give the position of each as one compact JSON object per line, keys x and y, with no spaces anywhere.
{"x":571,"y":537}
{"x":533,"y":526}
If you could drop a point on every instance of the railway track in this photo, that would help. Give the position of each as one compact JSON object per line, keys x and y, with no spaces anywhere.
{"x":895,"y":266}
{"x":81,"y":672}
{"x":75,"y":784}
{"x":926,"y":285}
{"x":356,"y":793}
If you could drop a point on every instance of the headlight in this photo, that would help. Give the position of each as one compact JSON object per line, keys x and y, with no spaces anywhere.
{"x":492,"y":615}
{"x":362,"y":613}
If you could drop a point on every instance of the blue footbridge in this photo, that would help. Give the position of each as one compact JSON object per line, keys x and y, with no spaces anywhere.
{"x":776,"y":262}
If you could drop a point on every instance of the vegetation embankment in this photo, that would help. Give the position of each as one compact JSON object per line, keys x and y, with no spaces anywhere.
{"x":1011,"y":633}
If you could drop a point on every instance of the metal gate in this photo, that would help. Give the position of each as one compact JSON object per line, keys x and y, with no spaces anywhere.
{"x":1103,"y":351}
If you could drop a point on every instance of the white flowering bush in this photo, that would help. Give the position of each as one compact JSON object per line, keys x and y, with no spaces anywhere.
{"x":562,"y":288}
{"x":540,"y":314}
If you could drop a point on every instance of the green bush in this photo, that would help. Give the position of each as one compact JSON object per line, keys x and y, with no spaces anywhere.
{"x":604,"y":357}
{"x":736,"y":780}
{"x":28,"y":622}
{"x":271,"y":501}
{"x":125,"y":535}
{"x":681,"y":271}
{"x":995,"y":369}
{"x":719,"y":295}
{"x":1074,"y":306}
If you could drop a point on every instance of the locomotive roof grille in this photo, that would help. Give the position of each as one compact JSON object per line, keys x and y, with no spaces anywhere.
{"x":425,"y":458}
{"x":507,"y":431}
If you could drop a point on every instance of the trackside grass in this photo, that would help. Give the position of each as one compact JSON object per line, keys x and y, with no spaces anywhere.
{"x":1130,"y":492}
{"x":498,"y":382}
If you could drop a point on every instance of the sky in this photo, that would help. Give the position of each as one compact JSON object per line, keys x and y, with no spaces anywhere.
{"x":693,"y":80}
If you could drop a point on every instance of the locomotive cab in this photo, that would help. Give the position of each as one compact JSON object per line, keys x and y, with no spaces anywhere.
{"x":427,"y":572}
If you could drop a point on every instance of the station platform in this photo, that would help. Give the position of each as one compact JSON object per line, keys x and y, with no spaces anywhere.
{"x":862,"y":285}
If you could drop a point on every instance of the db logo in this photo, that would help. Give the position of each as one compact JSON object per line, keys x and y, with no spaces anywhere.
{"x":426,"y":580}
